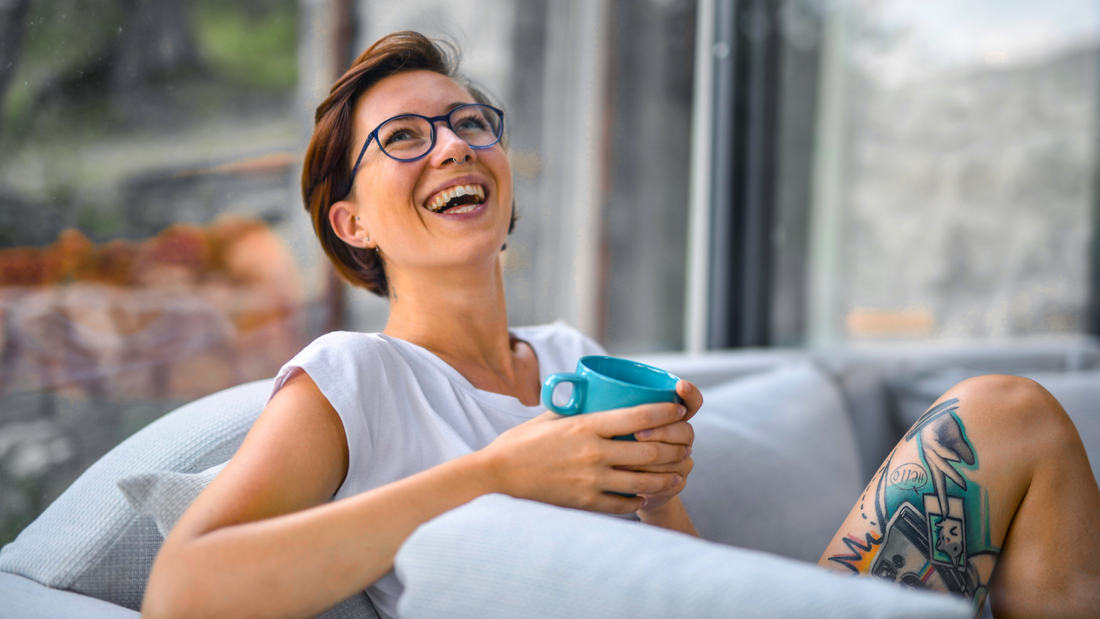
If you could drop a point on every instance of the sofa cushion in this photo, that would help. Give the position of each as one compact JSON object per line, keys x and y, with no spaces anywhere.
{"x":23,"y":598}
{"x":1077,"y":392}
{"x":504,"y":557}
{"x":776,"y":463}
{"x":165,"y":495}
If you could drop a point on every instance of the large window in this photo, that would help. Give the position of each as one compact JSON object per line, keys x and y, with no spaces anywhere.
{"x":898,"y":171}
{"x":959,"y":143}
{"x":151,"y":244}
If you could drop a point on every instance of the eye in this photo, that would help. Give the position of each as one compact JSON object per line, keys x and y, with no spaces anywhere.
{"x":399,"y":130}
{"x":471,"y":122}
{"x":397,"y":136}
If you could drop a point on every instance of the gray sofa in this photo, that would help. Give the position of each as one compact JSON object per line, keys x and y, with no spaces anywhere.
{"x":784,"y":444}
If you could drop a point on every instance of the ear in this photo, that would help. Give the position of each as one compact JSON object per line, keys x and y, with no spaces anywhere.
{"x":343,"y":220}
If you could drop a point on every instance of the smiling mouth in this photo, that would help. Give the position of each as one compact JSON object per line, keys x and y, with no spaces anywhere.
{"x":457,"y":199}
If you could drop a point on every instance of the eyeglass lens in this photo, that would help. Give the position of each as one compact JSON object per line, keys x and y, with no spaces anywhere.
{"x":409,"y":137}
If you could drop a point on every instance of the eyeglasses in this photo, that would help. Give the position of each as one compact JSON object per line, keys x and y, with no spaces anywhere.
{"x":409,"y":137}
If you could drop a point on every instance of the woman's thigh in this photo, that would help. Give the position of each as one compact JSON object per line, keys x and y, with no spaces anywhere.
{"x":993,"y":475}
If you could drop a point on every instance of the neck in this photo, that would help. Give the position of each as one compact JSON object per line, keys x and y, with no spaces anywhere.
{"x":459,"y":314}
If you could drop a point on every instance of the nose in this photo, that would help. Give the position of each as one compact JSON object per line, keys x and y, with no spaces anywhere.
{"x":449,"y":146}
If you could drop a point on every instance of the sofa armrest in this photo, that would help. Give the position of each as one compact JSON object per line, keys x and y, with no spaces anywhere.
{"x":23,"y":598}
{"x":503,"y":557}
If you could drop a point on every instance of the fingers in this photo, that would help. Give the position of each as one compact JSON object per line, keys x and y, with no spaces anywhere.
{"x":633,"y":454}
{"x":683,"y":467}
{"x":633,"y":482}
{"x":691,"y":397}
{"x":625,"y":421}
{"x":579,"y":464}
{"x":679,"y":432}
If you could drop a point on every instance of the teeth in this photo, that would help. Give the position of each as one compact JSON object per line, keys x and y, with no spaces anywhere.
{"x":464,"y":209}
{"x":447,"y":195}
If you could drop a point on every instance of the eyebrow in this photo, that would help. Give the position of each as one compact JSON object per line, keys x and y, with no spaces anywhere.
{"x":454,"y":105}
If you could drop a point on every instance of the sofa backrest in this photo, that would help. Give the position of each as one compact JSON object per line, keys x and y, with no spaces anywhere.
{"x":718,"y":367}
{"x":776,"y":462}
{"x":876,"y":379}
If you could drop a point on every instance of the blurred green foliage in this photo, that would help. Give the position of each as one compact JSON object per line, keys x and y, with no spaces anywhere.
{"x":103,"y":89}
{"x":256,"y":48}
{"x":63,"y":41}
{"x":77,"y":57}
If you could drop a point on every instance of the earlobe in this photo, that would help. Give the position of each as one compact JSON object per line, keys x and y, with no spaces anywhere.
{"x":347,"y":225}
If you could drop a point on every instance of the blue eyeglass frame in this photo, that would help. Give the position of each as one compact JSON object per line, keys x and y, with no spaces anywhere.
{"x":431,"y":123}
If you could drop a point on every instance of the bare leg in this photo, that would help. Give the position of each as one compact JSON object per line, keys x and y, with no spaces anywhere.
{"x":994,"y":474}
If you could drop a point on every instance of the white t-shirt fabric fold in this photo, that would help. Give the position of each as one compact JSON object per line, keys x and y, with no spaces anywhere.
{"x":405,"y":410}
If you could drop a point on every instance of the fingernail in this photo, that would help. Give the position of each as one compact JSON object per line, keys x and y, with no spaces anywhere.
{"x":644,"y":503}
{"x":676,"y":479}
{"x":643,"y":434}
{"x":689,"y":451}
{"x":682,"y":411}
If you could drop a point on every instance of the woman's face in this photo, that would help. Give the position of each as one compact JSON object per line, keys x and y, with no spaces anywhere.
{"x":393,"y":198}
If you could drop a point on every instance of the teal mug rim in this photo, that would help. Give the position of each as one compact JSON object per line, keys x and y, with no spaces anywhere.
{"x":676,"y":379}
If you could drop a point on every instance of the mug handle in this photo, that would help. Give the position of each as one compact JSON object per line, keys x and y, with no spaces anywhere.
{"x":576,"y":400}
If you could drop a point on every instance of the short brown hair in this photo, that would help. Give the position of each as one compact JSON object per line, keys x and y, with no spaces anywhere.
{"x":326,"y":174}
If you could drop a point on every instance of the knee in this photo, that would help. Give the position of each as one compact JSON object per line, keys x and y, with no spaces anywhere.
{"x":1016,"y":391}
{"x":1017,"y":404}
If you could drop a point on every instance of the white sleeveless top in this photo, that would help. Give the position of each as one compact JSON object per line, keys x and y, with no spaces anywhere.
{"x":405,"y":410}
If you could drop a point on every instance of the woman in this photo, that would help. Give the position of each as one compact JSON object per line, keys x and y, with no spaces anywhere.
{"x":430,"y":414}
{"x":410,"y":192}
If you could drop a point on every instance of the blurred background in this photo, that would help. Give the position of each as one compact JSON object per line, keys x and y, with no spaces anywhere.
{"x":691,"y":175}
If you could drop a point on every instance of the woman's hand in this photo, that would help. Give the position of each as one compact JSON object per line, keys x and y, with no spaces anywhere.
{"x":574,"y":461}
{"x":664,"y":508}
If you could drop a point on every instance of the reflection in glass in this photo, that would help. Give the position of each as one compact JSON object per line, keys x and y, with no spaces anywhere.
{"x":965,"y":181}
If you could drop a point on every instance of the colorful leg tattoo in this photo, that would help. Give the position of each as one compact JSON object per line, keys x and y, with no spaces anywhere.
{"x":929,"y":524}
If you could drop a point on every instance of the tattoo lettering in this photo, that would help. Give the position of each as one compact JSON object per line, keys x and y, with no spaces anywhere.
{"x":930,"y":524}
{"x":908,"y":476}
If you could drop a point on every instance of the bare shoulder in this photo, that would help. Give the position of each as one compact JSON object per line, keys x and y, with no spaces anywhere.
{"x":294,"y":457}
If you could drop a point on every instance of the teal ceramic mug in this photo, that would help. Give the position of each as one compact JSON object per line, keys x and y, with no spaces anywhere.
{"x":605,"y":383}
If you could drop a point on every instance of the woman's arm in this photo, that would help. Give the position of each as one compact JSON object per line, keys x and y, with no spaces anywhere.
{"x":263,"y":539}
